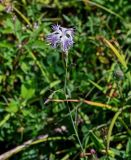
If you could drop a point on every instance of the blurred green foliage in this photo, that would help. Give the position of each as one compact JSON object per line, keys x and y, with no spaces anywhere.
{"x":31,"y":72}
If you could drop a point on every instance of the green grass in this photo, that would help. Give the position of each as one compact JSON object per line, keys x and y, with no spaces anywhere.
{"x":61,"y":107}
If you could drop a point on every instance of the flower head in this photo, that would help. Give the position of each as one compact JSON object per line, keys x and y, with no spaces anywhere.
{"x":61,"y":36}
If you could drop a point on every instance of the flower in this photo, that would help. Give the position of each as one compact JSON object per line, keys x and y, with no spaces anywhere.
{"x":61,"y":36}
{"x":9,"y":8}
{"x":92,"y":151}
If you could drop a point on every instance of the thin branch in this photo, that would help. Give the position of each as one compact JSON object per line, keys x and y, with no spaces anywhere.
{"x":40,"y":139}
{"x":97,"y":104}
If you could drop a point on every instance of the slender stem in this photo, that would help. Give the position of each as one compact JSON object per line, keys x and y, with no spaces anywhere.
{"x":43,"y":70}
{"x":66,"y":75}
{"x":22,"y":16}
{"x":66,"y":94}
{"x":6,"y":118}
{"x":112,"y":125}
{"x":111,"y":128}
{"x":125,"y":125}
{"x":76,"y":133}
{"x":104,"y":8}
{"x":97,"y":104}
{"x":29,"y":143}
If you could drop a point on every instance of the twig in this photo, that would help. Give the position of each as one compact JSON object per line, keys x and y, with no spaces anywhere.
{"x":97,"y":104}
{"x":28,"y":143}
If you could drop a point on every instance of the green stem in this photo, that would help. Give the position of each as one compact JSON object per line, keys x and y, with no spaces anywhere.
{"x":125,"y":125}
{"x":111,"y":128}
{"x":66,"y":75}
{"x":76,"y":133}
{"x":112,"y":125}
{"x":105,"y":9}
{"x":66,"y":93}
{"x":44,"y":73}
{"x":6,"y":118}
{"x":22,"y":16}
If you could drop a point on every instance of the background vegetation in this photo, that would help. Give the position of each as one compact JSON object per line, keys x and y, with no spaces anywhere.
{"x":32,"y":77}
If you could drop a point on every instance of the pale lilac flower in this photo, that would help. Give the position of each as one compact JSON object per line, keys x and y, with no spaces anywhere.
{"x":62,"y":37}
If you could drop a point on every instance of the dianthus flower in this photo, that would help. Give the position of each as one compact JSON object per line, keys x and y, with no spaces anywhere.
{"x":62,"y":37}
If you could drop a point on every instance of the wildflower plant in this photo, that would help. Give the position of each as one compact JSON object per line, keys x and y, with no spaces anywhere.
{"x":63,"y":37}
